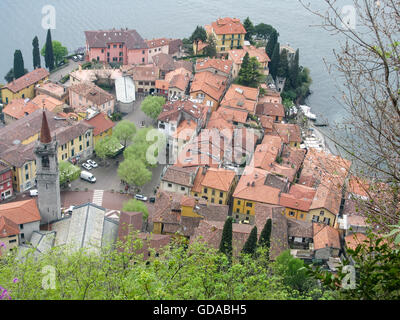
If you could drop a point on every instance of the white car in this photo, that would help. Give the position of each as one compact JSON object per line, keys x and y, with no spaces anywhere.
{"x":75,"y":58}
{"x":87,"y":166}
{"x":33,"y":193}
{"x":140,"y":197}
{"x":92,"y":163}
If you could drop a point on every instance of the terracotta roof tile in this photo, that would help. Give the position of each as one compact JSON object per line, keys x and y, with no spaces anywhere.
{"x":241,"y":98}
{"x":7,"y":227}
{"x":220,"y":179}
{"x":18,"y":108}
{"x":101,"y":38}
{"x":325,"y":236}
{"x":228,"y":26}
{"x":100,"y":123}
{"x":355,"y":239}
{"x":92,"y":93}
{"x":20,"y":212}
{"x":211,"y":84}
{"x":27,"y":80}
{"x":181,"y":176}
{"x":222,"y":65}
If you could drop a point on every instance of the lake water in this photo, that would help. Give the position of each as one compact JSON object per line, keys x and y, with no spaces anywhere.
{"x":21,"y":21}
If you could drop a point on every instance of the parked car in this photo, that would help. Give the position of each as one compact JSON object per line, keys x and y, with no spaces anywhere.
{"x":92,"y":163}
{"x":61,"y":63}
{"x":152,"y":200}
{"x":87,"y":166}
{"x":33,"y":193}
{"x":87,"y":176}
{"x":81,"y":57}
{"x":75,"y":58}
{"x":140,"y":197}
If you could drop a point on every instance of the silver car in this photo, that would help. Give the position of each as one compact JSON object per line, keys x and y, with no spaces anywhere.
{"x":140,"y":197}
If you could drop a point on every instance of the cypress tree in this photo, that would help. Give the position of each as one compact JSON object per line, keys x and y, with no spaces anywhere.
{"x":274,"y":63}
{"x":245,"y":70}
{"x":226,"y":240}
{"x":49,"y":55}
{"x":36,"y":53}
{"x":273,"y":39}
{"x":294,"y":71}
{"x":265,"y":236}
{"x":283,"y":67}
{"x":251,"y":244}
{"x":19,"y":69}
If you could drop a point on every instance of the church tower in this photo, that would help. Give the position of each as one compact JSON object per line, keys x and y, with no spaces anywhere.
{"x":47,"y":175}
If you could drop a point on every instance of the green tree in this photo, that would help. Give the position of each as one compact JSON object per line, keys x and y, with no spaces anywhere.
{"x":68,"y":172}
{"x":294,"y":71}
{"x":124,"y":131}
{"x":249,"y":74}
{"x":134,"y":205}
{"x":211,"y":49}
{"x":9,"y":76}
{"x":274,"y":63}
{"x":199,"y":34}
{"x":249,"y":27}
{"x":36,"y":53}
{"x":273,"y":40}
{"x":106,"y":147}
{"x":265,"y":237}
{"x":134,"y":172}
{"x":264,"y":31}
{"x":19,"y":69}
{"x":48,"y":52}
{"x":283,"y":66}
{"x":152,"y":106}
{"x":294,"y":273}
{"x":251,"y":244}
{"x":226,"y":239}
{"x":59,"y":52}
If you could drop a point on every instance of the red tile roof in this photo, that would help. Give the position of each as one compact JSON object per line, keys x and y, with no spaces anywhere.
{"x":18,"y":108}
{"x":228,"y":26}
{"x":211,"y":84}
{"x":241,"y":98}
{"x":325,"y":236}
{"x":222,"y":65}
{"x":27,"y":80}
{"x":7,"y":227}
{"x":101,"y":123}
{"x":219,"y":179}
{"x":101,"y":38}
{"x":20,"y":212}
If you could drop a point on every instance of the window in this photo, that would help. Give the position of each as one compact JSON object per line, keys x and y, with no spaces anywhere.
{"x":238,"y":202}
{"x":221,"y":194}
{"x":327,"y":221}
{"x":237,"y":210}
{"x":87,"y":143}
{"x":249,"y":204}
{"x":169,"y":185}
{"x":27,"y":176}
{"x":291,"y":213}
{"x":220,"y":201}
{"x":183,"y":188}
{"x":102,"y":50}
{"x":115,"y":59}
{"x":121,"y":59}
{"x":315,"y":218}
{"x":80,"y":138}
{"x":12,"y":241}
{"x":26,"y":167}
{"x":321,"y":213}
{"x":248,"y":211}
{"x":72,"y":142}
{"x":205,"y":190}
{"x":222,"y":48}
{"x":140,"y":83}
{"x":213,"y":192}
{"x":149,"y":51}
{"x":114,"y":46}
{"x":45,"y":162}
{"x":80,"y":148}
{"x":143,"y":60}
{"x":120,"y":46}
{"x":108,"y":46}
{"x":302,"y":216}
{"x":22,"y":236}
{"x":121,"y":54}
{"x":212,"y":200}
{"x":196,"y":195}
{"x":21,"y":227}
{"x":143,"y":53}
{"x":108,"y":54}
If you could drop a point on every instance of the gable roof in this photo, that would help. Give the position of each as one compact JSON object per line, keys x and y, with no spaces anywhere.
{"x":93,"y":93}
{"x":241,"y":98}
{"x":213,"y":85}
{"x":20,"y":212}
{"x":100,"y":123}
{"x":8,"y":228}
{"x":27,"y":80}
{"x":325,"y":236}
{"x":18,"y":108}
{"x":181,"y":176}
{"x":220,"y":179}
{"x":222,"y":65}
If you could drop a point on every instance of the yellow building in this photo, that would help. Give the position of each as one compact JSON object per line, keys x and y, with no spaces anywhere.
{"x":18,"y":141}
{"x":24,"y":87}
{"x":215,"y":185}
{"x":255,"y":186}
{"x":228,"y":32}
{"x":297,"y":201}
{"x":102,"y":127}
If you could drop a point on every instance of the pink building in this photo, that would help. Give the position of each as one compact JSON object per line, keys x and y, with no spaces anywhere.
{"x":124,"y":46}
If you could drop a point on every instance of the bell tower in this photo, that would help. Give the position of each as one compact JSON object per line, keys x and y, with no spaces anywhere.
{"x":47,"y":175}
